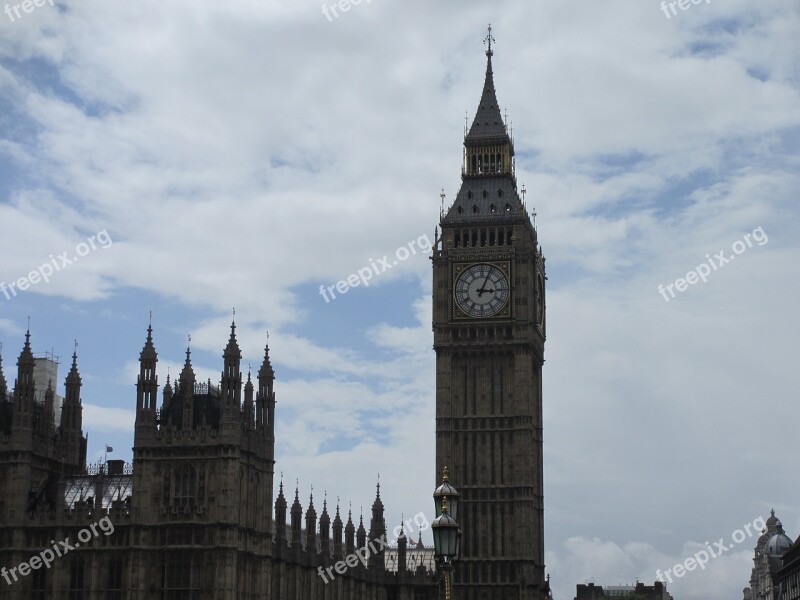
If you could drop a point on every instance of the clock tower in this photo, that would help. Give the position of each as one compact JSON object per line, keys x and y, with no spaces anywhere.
{"x":489,"y":332}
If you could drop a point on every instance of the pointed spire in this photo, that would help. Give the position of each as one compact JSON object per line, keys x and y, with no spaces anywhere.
{"x":232,"y":349}
{"x":349,"y":532}
{"x":361,"y":533}
{"x":149,"y":350}
{"x":325,"y":514}
{"x":488,"y":124}
{"x":297,"y":517}
{"x":378,"y":504}
{"x":280,"y":501}
{"x":74,"y":376}
{"x":266,"y":370}
{"x":188,"y":372}
{"x":26,"y":356}
{"x":311,"y":524}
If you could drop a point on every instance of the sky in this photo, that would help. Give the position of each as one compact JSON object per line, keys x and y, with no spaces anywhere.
{"x":195,"y":157}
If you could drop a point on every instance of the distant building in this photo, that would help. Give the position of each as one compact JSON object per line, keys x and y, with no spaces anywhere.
{"x":590,"y":591}
{"x":767,"y":561}
{"x":788,"y":578}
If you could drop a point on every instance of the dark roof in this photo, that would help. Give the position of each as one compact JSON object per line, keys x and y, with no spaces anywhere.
{"x":488,"y":124}
{"x":487,"y":197}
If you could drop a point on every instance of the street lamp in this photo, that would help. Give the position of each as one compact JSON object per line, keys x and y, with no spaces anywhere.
{"x":446,"y":490}
{"x":446,"y":533}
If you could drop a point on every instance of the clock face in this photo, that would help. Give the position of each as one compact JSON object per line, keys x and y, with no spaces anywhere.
{"x":539,"y":299}
{"x":481,"y":290}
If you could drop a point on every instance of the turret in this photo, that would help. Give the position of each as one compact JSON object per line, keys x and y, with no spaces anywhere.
{"x":280,"y":518}
{"x":248,"y":418}
{"x":402,"y":546}
{"x":72,"y":416}
{"x":167,"y":398}
{"x":297,"y":519}
{"x":24,"y":389}
{"x":146,"y":388}
{"x":71,"y":411}
{"x":325,"y":531}
{"x":361,"y":533}
{"x":311,"y":526}
{"x":186,"y":395}
{"x":265,"y":399}
{"x":337,"y":534}
{"x":349,"y":534}
{"x":231,"y":403}
{"x":377,"y":529}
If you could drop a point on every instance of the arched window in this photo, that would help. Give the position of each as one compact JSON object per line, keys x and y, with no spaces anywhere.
{"x":185,"y":485}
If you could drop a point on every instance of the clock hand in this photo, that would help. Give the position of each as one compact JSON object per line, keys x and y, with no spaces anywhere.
{"x":483,"y":287}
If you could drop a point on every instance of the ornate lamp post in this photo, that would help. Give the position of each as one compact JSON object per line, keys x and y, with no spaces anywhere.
{"x":452,"y":496}
{"x":446,"y":532}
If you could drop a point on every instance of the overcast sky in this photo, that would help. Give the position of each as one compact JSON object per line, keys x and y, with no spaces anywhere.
{"x":244,"y":153}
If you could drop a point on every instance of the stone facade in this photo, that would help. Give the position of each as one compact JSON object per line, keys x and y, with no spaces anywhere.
{"x":767,"y":561}
{"x":788,"y":578}
{"x":192,"y":517}
{"x":489,"y":333}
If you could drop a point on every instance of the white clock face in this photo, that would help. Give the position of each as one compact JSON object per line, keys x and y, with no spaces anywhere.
{"x":481,"y":290}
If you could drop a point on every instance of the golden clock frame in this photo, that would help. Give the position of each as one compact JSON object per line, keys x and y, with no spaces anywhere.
{"x":504,"y":266}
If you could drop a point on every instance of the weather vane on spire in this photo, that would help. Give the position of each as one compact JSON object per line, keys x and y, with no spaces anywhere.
{"x":488,"y":40}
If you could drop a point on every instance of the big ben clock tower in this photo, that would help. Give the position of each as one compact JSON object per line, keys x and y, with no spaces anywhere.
{"x":489,"y":332}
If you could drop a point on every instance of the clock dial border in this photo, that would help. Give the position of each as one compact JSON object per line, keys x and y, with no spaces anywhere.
{"x":457,"y":268}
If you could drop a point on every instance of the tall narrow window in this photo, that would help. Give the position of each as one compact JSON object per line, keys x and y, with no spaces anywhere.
{"x":180,"y":580}
{"x":185,"y":486}
{"x":114,"y":589}
{"x":76,"y":584}
{"x":39,"y":585}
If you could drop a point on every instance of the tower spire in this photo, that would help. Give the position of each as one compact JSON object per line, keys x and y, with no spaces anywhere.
{"x":488,"y":125}
{"x":489,"y":39}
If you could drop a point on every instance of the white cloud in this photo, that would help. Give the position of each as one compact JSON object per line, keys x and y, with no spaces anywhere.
{"x":242,"y":154}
